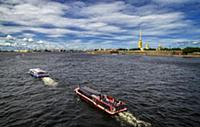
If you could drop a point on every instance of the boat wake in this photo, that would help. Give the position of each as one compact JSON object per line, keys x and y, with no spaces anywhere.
{"x":49,"y":81}
{"x":128,"y":118}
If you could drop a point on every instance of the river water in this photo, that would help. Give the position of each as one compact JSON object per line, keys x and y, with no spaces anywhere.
{"x":163,"y":91}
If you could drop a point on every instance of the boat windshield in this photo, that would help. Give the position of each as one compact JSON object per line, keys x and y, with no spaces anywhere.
{"x":89,"y":90}
{"x":42,"y":73}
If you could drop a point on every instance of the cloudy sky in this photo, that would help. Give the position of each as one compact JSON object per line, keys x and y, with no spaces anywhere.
{"x":89,"y":24}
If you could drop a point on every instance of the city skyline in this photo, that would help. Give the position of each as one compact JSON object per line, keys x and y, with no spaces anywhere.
{"x":101,"y":24}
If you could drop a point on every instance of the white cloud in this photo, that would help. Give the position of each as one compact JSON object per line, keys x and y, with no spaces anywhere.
{"x":114,"y":21}
{"x":28,"y":35}
{"x":30,"y":40}
{"x":52,"y":31}
{"x":103,"y":9}
{"x":40,"y":42}
{"x":33,"y":14}
{"x":80,"y":44}
{"x":9,"y":37}
{"x":196,"y":42}
{"x":172,"y":1}
{"x":119,"y":19}
{"x":25,"y":39}
{"x":10,"y":29}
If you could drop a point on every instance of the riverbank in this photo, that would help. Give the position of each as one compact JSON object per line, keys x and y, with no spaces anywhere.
{"x":147,"y":53}
{"x":173,"y":53}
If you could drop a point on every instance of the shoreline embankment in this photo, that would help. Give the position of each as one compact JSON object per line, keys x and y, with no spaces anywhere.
{"x":130,"y":52}
{"x":147,"y":53}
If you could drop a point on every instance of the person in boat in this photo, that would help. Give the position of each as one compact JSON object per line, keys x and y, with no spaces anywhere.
{"x":119,"y":103}
{"x":109,"y":99}
{"x":104,"y":98}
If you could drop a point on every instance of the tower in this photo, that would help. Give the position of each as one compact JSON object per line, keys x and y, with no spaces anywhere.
{"x":147,"y":46}
{"x":140,"y":41}
{"x":159,"y":47}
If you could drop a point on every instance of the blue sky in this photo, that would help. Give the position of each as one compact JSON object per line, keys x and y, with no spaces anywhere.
{"x":86,"y":24}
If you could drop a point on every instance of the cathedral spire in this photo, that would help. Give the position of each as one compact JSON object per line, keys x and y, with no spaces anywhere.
{"x":140,"y":35}
{"x":140,"y":41}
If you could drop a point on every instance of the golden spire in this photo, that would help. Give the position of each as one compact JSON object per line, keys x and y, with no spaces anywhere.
{"x":140,"y":41}
{"x":140,"y":35}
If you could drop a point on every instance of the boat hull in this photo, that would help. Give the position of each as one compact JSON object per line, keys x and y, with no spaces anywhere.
{"x":96,"y":105}
{"x":38,"y":73}
{"x":39,"y":76}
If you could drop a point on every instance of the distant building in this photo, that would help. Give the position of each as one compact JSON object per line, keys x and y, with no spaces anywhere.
{"x":159,"y":47}
{"x":22,"y":51}
{"x":147,"y":45}
{"x":140,"y":41}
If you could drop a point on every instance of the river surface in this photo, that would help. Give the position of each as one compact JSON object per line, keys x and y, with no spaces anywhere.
{"x":163,"y":91}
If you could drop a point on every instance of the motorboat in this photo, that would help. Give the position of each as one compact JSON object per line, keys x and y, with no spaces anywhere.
{"x":103,"y":102}
{"x":38,"y":73}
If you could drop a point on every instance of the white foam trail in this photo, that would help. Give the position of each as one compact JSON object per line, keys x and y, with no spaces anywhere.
{"x":127,"y":117}
{"x":49,"y":81}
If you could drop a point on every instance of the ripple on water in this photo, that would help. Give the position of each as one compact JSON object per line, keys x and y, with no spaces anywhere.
{"x":163,"y":91}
